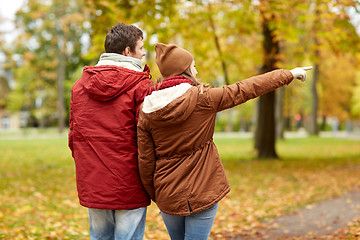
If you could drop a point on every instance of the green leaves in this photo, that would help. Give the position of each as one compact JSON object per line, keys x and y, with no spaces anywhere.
{"x":51,"y":34}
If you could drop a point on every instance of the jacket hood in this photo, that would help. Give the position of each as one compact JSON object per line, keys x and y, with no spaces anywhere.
{"x":172,"y":105}
{"x":106,"y":82}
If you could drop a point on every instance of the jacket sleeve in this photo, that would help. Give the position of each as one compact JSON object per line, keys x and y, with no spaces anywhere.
{"x":70,"y":140}
{"x":231,"y":95}
{"x":146,"y":159}
{"x":140,"y":94}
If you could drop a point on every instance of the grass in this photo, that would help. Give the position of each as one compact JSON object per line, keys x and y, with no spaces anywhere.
{"x":38,"y":198}
{"x":37,"y":191}
{"x":310,"y":170}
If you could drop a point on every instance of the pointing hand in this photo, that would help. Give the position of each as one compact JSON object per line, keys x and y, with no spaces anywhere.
{"x":300,"y":73}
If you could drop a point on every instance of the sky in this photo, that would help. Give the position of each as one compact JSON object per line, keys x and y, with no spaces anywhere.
{"x":7,"y":12}
{"x":9,"y":9}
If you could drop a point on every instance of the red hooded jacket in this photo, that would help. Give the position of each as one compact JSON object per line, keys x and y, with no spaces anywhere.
{"x":104,"y":108}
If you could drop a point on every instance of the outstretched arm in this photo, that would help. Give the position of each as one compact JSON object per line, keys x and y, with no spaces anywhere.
{"x":231,"y":95}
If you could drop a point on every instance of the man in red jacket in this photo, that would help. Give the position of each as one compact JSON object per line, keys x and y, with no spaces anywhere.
{"x":104,"y":109}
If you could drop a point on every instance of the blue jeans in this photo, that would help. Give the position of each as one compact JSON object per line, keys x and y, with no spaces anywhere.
{"x":107,"y":224}
{"x":196,"y":226}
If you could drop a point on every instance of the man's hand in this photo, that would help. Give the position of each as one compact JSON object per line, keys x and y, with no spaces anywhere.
{"x":300,"y":73}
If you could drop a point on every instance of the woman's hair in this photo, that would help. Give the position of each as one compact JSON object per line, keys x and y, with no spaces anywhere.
{"x":195,"y":82}
{"x":188,"y":74}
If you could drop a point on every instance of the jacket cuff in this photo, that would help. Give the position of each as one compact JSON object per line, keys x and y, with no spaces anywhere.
{"x":288,"y":76}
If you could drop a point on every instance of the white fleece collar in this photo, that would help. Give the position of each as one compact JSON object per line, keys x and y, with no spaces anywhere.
{"x":121,"y":61}
{"x":161,"y":98}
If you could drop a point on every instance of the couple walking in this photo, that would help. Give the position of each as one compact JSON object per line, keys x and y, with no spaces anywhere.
{"x":133,"y":140}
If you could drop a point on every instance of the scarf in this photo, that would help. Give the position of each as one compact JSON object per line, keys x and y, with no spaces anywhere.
{"x":120,"y":60}
{"x":170,"y":82}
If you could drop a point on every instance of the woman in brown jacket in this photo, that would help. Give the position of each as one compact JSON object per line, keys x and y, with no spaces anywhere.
{"x":179,"y":164}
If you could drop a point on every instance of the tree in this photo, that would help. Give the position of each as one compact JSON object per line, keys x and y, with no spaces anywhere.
{"x":4,"y":91}
{"x":4,"y":85}
{"x":314,"y":106}
{"x":282,"y":28}
{"x":51,"y":37}
{"x":355,"y":107}
{"x":339,"y":82}
{"x":331,"y":30}
{"x":227,"y":39}
{"x":265,"y":132}
{"x":333,"y":35}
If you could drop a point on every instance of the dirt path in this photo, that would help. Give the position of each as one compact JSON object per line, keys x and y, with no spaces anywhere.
{"x":318,"y":220}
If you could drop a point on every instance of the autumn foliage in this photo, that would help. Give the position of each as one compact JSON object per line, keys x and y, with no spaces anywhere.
{"x":38,"y":198}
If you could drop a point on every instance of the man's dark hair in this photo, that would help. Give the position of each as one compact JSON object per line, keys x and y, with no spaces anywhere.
{"x":120,"y":36}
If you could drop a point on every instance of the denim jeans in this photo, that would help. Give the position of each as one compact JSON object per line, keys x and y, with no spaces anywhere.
{"x":107,"y":224}
{"x":196,"y":226}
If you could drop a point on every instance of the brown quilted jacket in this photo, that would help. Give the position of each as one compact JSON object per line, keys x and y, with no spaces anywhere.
{"x":179,"y":164}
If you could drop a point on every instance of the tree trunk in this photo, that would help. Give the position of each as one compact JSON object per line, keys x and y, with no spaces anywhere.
{"x":61,"y":69}
{"x":279,"y":116}
{"x":60,"y":85}
{"x":230,"y":121}
{"x":323,"y":123}
{"x":218,"y":47}
{"x":314,"y":129}
{"x":242,"y":123}
{"x":265,"y":133}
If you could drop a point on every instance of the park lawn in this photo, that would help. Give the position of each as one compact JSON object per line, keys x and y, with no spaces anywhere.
{"x":309,"y":170}
{"x":38,"y":198}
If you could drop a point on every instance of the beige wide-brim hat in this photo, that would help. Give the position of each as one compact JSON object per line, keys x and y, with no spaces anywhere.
{"x":172,"y":60}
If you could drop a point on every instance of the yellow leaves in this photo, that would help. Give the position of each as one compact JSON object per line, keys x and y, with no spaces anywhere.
{"x":352,"y":231}
{"x":355,"y":108}
{"x":72,"y":20}
{"x":28,"y":56}
{"x":333,"y":69}
{"x":155,"y":228}
{"x":262,"y":190}
{"x":32,"y":207}
{"x":36,"y":14}
{"x":23,"y":209}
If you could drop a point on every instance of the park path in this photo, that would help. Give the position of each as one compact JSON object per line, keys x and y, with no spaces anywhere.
{"x":314,"y":221}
